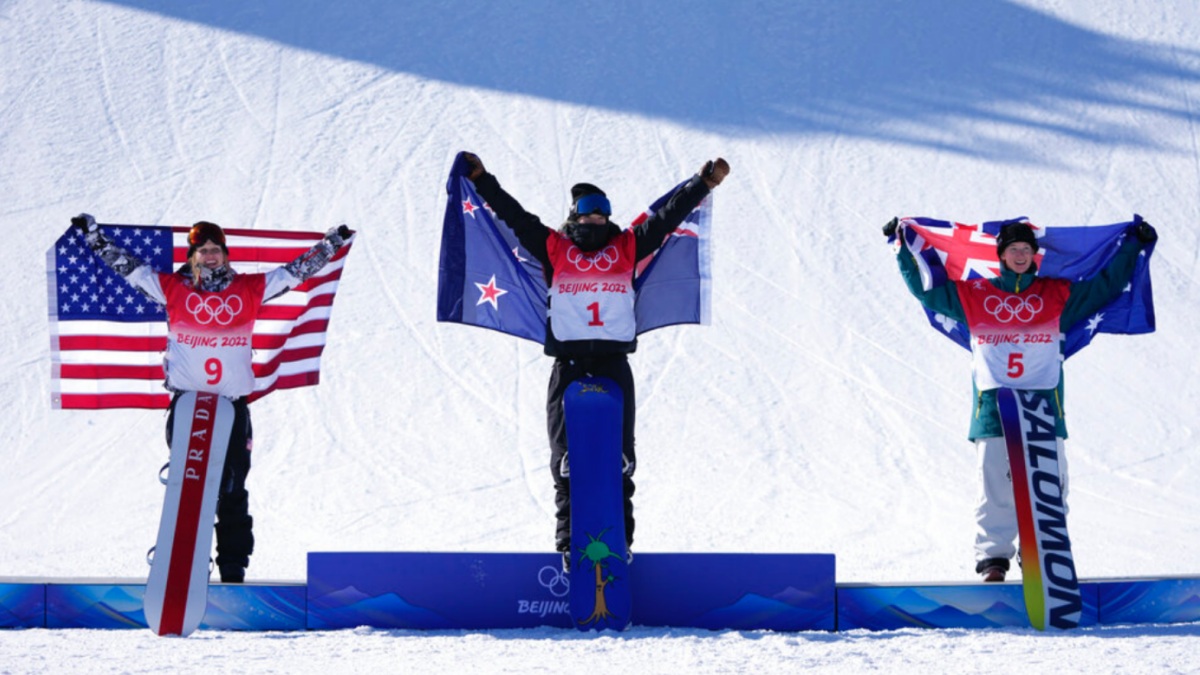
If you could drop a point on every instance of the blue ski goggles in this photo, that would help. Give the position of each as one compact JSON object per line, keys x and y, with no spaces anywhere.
{"x":593,"y":203}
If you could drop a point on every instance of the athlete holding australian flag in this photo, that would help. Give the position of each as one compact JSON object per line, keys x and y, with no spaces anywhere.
{"x":1017,"y":322}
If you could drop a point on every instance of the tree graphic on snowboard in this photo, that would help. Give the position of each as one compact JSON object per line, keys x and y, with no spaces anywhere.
{"x":595,"y":556}
{"x":594,"y":409}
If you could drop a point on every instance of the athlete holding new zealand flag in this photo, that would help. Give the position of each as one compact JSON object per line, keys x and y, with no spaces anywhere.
{"x":589,"y":267}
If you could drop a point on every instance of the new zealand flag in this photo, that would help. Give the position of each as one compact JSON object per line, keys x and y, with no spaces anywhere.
{"x":485,"y":277}
{"x":947,"y":251}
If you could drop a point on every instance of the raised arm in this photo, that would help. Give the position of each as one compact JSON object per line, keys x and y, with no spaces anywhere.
{"x":942,"y":299}
{"x":1090,"y":296}
{"x":651,"y":233}
{"x":307,"y":264}
{"x":131,"y":268}
{"x":528,"y":228}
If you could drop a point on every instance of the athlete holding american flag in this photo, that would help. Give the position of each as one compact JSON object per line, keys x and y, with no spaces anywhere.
{"x":210,"y":311}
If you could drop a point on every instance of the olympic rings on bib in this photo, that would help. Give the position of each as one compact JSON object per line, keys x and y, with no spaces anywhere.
{"x":208,"y":309}
{"x":1008,"y":308}
{"x":601,"y":261}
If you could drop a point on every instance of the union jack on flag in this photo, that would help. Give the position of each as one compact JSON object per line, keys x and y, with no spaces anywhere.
{"x":949,"y":251}
{"x":107,"y":339}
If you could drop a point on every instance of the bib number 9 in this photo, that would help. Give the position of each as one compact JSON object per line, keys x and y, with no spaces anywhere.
{"x":212,"y":368}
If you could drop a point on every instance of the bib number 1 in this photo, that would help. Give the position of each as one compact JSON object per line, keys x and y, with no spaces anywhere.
{"x":595,"y":308}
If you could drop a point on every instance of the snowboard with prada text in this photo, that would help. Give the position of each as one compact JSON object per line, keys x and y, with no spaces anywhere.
{"x":177,"y":588}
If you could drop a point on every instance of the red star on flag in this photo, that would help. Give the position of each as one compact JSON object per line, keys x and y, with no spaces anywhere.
{"x":469,"y":208}
{"x":489,"y":292}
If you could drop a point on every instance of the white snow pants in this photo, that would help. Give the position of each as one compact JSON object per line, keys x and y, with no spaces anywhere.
{"x":995,"y":514}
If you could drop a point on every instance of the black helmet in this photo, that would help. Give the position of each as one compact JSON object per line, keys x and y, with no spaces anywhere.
{"x":1011,"y":233}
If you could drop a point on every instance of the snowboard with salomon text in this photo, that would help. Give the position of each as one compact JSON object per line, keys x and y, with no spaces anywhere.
{"x":1052,"y":593}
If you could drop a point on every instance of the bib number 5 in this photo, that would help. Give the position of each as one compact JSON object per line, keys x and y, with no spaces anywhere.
{"x":1015,"y":367}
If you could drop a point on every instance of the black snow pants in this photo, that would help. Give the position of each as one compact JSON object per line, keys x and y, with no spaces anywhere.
{"x":235,"y":526}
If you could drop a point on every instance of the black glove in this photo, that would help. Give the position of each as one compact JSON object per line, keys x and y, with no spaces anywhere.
{"x":1145,"y":232}
{"x":889,"y":230}
{"x":84,"y":223}
{"x":714,"y":171}
{"x":476,"y":165}
{"x":337,"y":236}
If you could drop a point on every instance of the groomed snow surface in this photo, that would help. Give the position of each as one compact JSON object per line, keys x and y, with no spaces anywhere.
{"x":818,"y":413}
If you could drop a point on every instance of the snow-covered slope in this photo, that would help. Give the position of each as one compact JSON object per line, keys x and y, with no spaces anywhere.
{"x":817,"y":414}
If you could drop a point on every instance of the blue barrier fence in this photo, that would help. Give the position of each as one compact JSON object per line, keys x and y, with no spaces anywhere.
{"x":480,"y":591}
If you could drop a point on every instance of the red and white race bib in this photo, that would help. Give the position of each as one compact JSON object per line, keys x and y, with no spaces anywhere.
{"x":592,"y":295}
{"x":209,"y":343}
{"x":1015,"y":337}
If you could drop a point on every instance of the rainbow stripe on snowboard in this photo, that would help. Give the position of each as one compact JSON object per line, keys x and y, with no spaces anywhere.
{"x":1052,"y":594}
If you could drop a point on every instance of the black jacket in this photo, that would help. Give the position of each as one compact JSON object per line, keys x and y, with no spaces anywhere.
{"x":533,"y":235}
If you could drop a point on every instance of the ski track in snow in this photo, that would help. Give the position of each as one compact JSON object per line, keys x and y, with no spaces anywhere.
{"x":110,"y":105}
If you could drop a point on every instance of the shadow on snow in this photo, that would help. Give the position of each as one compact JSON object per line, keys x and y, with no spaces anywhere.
{"x":910,"y":72}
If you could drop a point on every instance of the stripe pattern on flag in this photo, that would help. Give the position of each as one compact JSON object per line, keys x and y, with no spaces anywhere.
{"x":107,"y":339}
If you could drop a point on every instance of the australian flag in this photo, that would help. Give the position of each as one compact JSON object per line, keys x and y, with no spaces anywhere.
{"x":947,"y":251}
{"x":485,"y":277}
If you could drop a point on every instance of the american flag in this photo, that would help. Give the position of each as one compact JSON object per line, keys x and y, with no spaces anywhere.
{"x":950,"y":251}
{"x":107,"y":339}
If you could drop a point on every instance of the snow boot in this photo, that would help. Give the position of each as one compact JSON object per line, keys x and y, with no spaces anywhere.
{"x":992,"y":569}
{"x":232,"y":575}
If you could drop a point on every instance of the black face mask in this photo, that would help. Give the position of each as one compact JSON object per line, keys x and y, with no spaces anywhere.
{"x":589,"y":237}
